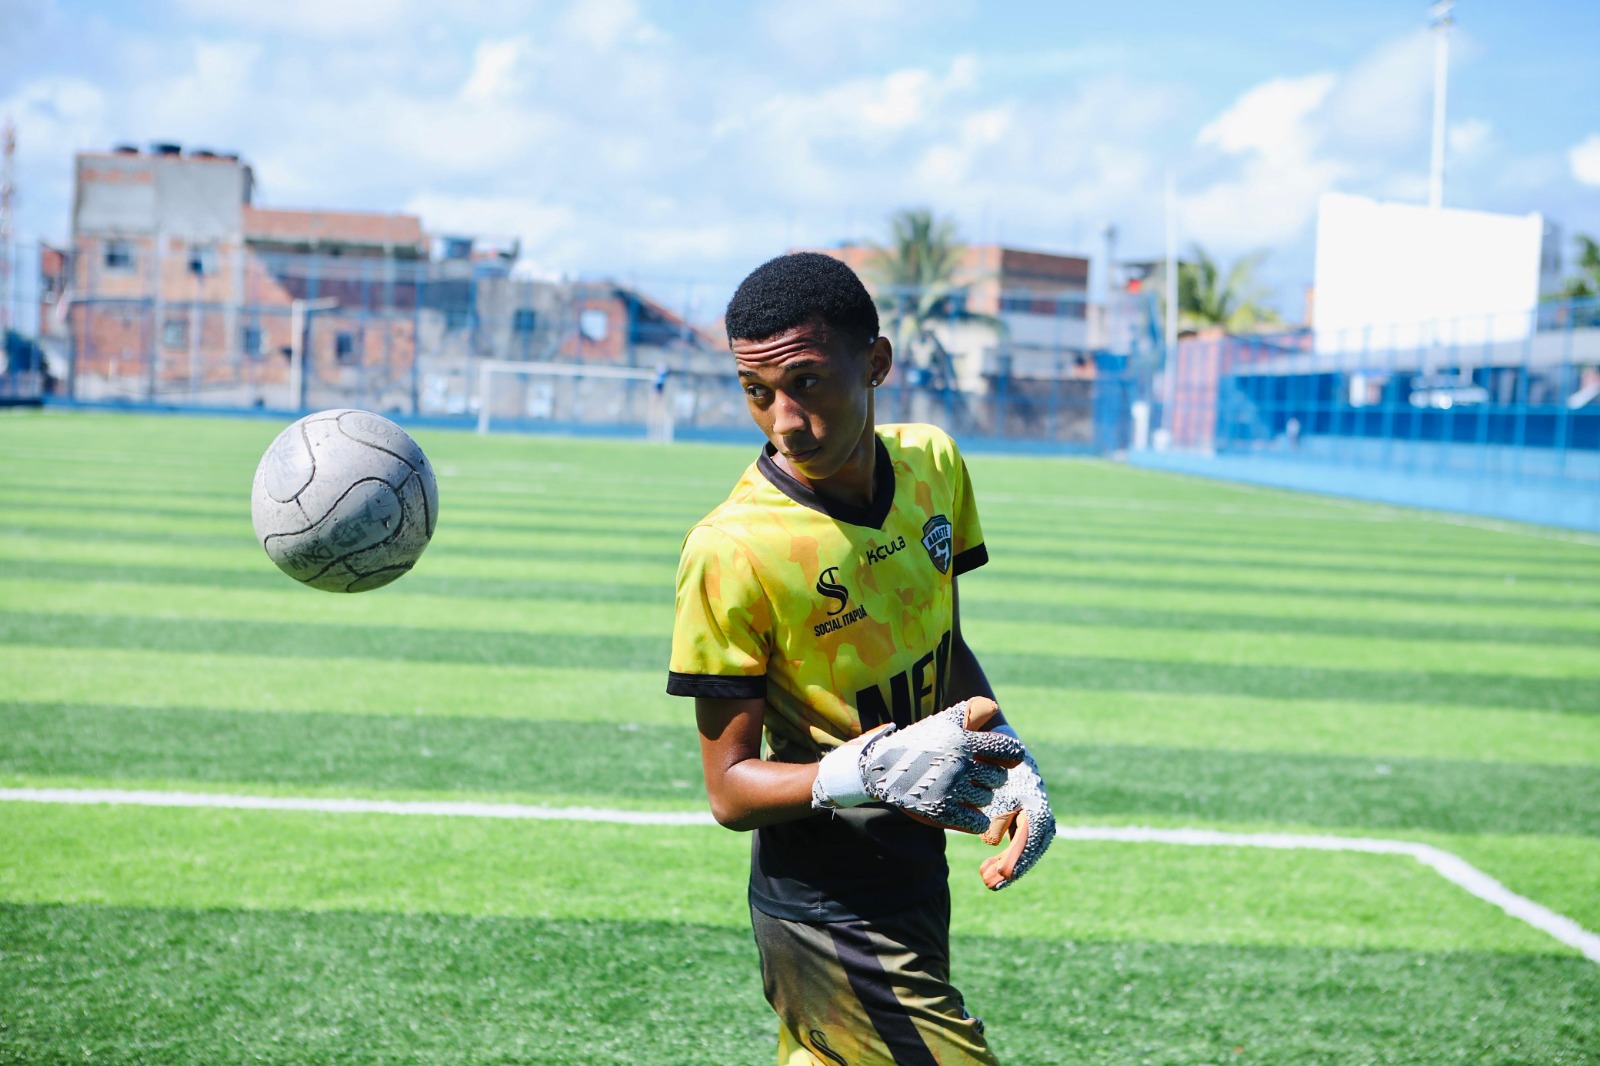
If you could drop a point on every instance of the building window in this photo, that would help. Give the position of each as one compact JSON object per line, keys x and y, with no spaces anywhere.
{"x":202,"y":259}
{"x":345,"y":348}
{"x":1027,"y":303}
{"x":250,"y":341}
{"x":523,"y":320}
{"x":175,"y":333}
{"x":594,"y":324}
{"x":119,"y":255}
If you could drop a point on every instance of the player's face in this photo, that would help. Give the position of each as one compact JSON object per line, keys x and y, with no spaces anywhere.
{"x":812,"y":396}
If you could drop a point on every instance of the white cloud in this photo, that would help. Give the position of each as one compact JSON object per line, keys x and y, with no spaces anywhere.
{"x":497,"y":216}
{"x":202,"y":101}
{"x":1584,"y":159}
{"x":497,"y":70}
{"x":602,"y":24}
{"x":818,"y":34}
{"x":323,"y":19}
{"x":1383,"y":103}
{"x":1269,"y":120}
{"x":1278,"y":174}
{"x":1467,"y":140}
{"x":56,"y":116}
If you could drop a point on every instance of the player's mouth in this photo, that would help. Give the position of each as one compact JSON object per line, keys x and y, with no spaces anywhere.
{"x":802,"y":455}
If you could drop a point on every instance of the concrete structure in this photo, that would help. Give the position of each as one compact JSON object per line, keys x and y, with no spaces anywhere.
{"x":1016,"y":313}
{"x":177,"y":287}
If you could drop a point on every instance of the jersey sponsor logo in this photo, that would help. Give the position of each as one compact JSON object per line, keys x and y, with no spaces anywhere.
{"x":936,"y":537}
{"x":914,"y":693}
{"x":828,"y":585}
{"x":833,"y":625}
{"x":879,"y":552}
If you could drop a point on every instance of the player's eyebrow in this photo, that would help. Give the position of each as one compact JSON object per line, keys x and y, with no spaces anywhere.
{"x":799,"y":364}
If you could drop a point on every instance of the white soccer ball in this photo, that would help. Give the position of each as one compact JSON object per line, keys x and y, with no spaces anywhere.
{"x":344,"y":501}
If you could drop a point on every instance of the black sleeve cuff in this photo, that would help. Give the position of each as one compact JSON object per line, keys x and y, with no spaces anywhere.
{"x":722,"y":686}
{"x":970,"y":559}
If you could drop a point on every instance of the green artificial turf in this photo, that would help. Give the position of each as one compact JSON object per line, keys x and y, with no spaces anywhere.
{"x":202,"y":858}
{"x":551,"y":755}
{"x":180,"y":986}
{"x":1178,"y":652}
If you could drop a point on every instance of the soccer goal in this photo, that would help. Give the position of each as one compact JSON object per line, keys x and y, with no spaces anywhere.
{"x":574,"y":396}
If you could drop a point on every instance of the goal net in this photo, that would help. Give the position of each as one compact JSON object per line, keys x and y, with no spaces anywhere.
{"x":577,"y":397}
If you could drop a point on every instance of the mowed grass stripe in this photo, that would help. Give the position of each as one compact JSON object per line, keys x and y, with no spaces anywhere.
{"x":187,"y":986}
{"x":1576,"y":695}
{"x":1304,"y":726}
{"x":444,"y":572}
{"x":487,"y":528}
{"x":270,"y":578}
{"x":535,"y":508}
{"x":554,"y":757}
{"x":501,"y":566}
{"x":516,"y":552}
{"x":982,"y":596}
{"x":1266,"y":645}
{"x":1066,"y":716}
{"x":196,"y":857}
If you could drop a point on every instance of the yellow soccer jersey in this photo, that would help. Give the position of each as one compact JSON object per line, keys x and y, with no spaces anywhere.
{"x":840,"y":616}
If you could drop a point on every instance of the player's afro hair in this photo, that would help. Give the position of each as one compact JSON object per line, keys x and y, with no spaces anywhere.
{"x":797,"y":288}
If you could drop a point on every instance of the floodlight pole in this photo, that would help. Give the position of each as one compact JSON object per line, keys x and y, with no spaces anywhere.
{"x":299,"y":318}
{"x":1170,"y":337}
{"x":1440,"y":13}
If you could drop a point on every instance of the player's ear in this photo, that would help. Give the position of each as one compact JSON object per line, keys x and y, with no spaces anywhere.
{"x":880,"y":358}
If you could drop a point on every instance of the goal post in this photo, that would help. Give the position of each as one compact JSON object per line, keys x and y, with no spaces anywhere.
{"x":574,"y":396}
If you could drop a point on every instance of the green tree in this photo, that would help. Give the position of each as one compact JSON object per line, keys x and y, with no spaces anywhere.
{"x":915,"y":274}
{"x":1234,"y":300}
{"x":1587,"y":283}
{"x":915,"y":279}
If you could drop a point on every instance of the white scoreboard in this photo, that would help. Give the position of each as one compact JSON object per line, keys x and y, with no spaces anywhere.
{"x":1401,"y":277}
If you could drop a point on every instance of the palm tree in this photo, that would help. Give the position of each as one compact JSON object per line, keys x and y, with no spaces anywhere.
{"x":915,"y":280}
{"x":1586,"y":284}
{"x":915,"y":274}
{"x":1232,"y":299}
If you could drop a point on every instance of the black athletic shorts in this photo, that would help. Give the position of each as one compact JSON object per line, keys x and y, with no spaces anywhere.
{"x":868,"y":992}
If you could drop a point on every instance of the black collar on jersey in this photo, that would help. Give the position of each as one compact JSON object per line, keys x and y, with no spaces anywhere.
{"x":871,"y":516}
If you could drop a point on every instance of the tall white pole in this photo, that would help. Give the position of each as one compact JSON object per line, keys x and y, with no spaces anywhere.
{"x":1170,"y":356}
{"x":1442,"y":21}
{"x":8,"y":189}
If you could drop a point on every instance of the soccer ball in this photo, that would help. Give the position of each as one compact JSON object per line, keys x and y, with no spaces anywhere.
{"x":344,"y":501}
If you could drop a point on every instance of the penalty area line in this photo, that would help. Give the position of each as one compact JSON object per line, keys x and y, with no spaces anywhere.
{"x":1448,"y":865}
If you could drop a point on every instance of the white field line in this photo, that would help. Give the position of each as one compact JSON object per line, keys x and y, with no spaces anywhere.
{"x":350,"y":806}
{"x":1451,"y":867}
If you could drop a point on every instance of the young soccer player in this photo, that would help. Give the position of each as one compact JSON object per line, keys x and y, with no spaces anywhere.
{"x":817,"y":605}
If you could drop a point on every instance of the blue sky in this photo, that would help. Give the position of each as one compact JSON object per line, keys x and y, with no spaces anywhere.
{"x":678,"y":144}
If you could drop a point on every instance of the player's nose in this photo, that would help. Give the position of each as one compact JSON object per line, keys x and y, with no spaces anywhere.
{"x":788,"y":417}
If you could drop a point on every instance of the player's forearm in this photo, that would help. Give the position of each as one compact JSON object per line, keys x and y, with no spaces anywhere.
{"x":757,"y":792}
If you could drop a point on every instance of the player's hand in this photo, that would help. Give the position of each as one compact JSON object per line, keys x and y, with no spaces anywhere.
{"x":1021,"y":810}
{"x":941,"y":770}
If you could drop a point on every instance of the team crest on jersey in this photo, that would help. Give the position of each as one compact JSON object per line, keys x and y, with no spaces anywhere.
{"x":936,"y":537}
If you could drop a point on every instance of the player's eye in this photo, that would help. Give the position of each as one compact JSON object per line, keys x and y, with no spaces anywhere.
{"x":756,"y":392}
{"x":807,"y":381}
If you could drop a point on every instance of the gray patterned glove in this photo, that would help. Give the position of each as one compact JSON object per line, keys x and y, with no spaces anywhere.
{"x":940,"y":770}
{"x":1020,"y":808}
